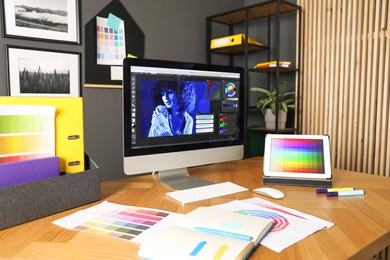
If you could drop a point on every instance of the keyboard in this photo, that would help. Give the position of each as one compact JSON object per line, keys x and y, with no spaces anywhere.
{"x":205,"y":192}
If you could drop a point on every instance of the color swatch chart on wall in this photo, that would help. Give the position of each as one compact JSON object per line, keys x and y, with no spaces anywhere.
{"x":111,"y":42}
{"x":26,"y":132}
{"x":116,"y":220}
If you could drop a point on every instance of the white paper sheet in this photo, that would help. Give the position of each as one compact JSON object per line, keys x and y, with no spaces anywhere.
{"x":134,"y":224}
{"x":290,"y":226}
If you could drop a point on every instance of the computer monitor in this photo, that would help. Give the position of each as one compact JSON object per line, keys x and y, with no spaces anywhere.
{"x":178,"y":115}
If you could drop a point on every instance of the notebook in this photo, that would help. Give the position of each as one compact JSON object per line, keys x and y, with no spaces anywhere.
{"x":297,"y":160}
{"x":207,"y":233}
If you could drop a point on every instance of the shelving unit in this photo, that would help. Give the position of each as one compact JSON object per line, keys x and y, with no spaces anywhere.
{"x":240,"y":20}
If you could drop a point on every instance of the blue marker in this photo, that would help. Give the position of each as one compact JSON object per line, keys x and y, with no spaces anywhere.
{"x":224,"y":233}
{"x":345,"y":193}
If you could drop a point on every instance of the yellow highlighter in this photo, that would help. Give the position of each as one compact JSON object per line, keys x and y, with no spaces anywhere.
{"x":321,"y":191}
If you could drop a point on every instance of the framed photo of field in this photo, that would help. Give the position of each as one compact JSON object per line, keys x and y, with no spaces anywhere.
{"x":44,"y":73}
{"x":53,"y":20}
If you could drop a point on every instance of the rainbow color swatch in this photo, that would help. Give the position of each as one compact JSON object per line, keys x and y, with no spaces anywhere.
{"x":123,"y":222}
{"x":280,"y":222}
{"x":26,"y":132}
{"x":297,"y":156}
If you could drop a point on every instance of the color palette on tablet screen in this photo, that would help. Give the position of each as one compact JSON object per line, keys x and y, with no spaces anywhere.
{"x":297,"y":155}
{"x":123,"y":222}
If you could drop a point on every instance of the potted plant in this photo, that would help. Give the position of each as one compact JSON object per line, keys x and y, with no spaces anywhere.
{"x":268,"y":106}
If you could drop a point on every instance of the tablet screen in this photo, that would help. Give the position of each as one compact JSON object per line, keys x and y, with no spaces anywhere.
{"x":297,"y":156}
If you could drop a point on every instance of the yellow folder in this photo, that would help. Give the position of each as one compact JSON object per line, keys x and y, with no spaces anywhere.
{"x":69,"y":128}
{"x":231,"y":40}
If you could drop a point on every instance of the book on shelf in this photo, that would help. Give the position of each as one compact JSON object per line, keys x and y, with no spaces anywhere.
{"x":270,"y":64}
{"x":207,"y":233}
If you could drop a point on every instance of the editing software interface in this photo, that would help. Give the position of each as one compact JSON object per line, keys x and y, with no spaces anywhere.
{"x":171,"y":106}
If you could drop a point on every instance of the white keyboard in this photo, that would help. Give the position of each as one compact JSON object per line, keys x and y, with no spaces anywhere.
{"x":205,"y":192}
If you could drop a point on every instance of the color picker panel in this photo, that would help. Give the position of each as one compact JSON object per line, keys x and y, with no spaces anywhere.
{"x":297,"y":156}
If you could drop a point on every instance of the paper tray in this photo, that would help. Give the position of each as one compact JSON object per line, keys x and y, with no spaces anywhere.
{"x":29,"y":201}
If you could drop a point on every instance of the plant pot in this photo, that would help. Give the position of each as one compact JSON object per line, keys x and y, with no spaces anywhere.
{"x":269,"y":119}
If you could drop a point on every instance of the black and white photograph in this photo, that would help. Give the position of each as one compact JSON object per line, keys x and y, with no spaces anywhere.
{"x":55,"y":20}
{"x":43,"y":73}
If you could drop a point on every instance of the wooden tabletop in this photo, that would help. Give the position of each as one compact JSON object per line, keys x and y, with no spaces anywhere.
{"x":362,"y":223}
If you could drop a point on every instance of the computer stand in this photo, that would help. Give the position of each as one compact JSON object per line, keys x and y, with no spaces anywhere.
{"x":179,"y":179}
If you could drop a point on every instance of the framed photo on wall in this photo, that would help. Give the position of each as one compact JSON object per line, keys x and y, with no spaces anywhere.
{"x":44,"y":73}
{"x":53,"y":20}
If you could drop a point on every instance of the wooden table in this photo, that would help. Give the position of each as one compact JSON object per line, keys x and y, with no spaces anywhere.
{"x":362,"y":223}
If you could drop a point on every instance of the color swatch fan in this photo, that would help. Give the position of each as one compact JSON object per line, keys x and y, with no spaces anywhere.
{"x":26,"y":132}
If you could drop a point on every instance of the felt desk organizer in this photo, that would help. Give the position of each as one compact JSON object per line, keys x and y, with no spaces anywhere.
{"x":25,"y":202}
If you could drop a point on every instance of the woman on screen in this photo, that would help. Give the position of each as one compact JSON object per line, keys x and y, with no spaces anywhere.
{"x":174,"y":100}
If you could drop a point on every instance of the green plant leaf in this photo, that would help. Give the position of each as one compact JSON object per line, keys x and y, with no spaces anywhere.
{"x":283,"y":106}
{"x":265,"y":105}
{"x":259,"y":89}
{"x":288,"y":101}
{"x":273,"y":108}
{"x":286,"y":94}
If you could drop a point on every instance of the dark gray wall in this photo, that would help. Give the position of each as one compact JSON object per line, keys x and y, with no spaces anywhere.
{"x":174,"y":30}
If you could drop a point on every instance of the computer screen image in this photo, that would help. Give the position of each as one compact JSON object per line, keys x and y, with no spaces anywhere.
{"x":178,"y":115}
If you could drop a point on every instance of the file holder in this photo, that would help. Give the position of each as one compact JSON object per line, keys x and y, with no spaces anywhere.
{"x":30,"y":201}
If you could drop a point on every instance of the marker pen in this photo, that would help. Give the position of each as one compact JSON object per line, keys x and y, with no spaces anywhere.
{"x":320,"y":191}
{"x":345,"y":193}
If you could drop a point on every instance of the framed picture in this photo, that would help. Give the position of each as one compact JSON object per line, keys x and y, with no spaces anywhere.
{"x":34,"y":72}
{"x":54,"y":20}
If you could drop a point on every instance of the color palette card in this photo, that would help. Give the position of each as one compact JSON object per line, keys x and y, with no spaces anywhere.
{"x":26,"y":132}
{"x":134,"y":224}
{"x":110,"y":40}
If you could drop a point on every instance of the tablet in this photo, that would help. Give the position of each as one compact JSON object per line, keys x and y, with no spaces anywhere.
{"x":301,"y":157}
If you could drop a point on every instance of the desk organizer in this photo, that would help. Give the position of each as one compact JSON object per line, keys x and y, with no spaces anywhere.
{"x":29,"y":201}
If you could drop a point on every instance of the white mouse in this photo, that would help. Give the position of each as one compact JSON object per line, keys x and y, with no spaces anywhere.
{"x":269,"y":192}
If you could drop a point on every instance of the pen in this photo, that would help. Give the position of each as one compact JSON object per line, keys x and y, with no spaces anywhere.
{"x":223,"y":233}
{"x":320,"y":191}
{"x":345,"y":193}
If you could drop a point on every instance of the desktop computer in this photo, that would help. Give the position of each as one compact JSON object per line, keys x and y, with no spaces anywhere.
{"x":178,"y":115}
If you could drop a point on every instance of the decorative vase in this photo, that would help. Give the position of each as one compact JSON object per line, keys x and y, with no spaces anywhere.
{"x":269,"y":119}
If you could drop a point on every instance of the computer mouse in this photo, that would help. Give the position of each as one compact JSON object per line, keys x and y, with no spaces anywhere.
{"x":269,"y":192}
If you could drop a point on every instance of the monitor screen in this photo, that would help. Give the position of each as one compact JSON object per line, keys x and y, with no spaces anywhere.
{"x":180,"y":114}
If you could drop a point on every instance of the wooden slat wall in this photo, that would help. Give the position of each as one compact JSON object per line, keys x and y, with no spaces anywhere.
{"x":346,"y":80}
